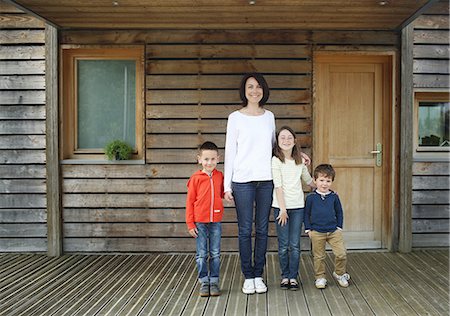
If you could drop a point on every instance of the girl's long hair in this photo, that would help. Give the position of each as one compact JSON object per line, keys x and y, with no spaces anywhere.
{"x":277,"y":152}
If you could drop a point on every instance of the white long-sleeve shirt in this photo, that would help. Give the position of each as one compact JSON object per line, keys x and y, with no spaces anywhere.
{"x":248,"y":148}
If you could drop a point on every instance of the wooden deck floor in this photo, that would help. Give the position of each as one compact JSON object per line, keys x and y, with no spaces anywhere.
{"x":162,"y":284}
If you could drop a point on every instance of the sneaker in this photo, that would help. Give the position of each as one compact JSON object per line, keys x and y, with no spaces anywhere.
{"x":260,"y":287}
{"x":249,"y":286}
{"x":204,"y":289}
{"x":321,"y":283}
{"x":342,"y":279}
{"x":284,"y":285}
{"x":214,"y":289}
{"x":293,"y":284}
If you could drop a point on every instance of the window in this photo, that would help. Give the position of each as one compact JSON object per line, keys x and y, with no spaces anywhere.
{"x":432,"y":122}
{"x":102,"y":91}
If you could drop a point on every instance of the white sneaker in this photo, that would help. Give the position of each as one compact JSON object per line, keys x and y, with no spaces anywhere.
{"x":342,"y":279}
{"x":321,"y":283}
{"x":260,"y":287}
{"x":249,"y":286}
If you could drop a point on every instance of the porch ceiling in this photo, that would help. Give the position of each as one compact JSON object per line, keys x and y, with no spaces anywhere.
{"x":226,"y":14}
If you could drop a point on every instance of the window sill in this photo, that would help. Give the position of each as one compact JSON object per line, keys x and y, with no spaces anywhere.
{"x":431,"y":157}
{"x":102,"y":162}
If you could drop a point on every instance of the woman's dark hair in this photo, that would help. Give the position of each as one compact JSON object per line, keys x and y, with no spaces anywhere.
{"x":278,"y":152}
{"x":262,"y":82}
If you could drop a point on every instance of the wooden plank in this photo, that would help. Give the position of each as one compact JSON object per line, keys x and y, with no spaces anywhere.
{"x":22,"y":142}
{"x":431,"y":240}
{"x":22,"y":97}
{"x":431,"y":37}
{"x":432,"y":22}
{"x":431,"y":66}
{"x":22,"y":112}
{"x":22,"y":127}
{"x":22,"y":186}
{"x":22,"y":171}
{"x":8,"y":8}
{"x":213,"y":125}
{"x":11,"y":21}
{"x":223,"y":81}
{"x":431,"y":51}
{"x":277,"y":302}
{"x":440,"y":7}
{"x":431,"y":168}
{"x":193,"y":141}
{"x":431,"y":197}
{"x":22,"y":82}
{"x":431,"y":81}
{"x":28,"y":200}
{"x":24,"y":156}
{"x":431,"y":211}
{"x":129,"y":171}
{"x":430,"y":183}
{"x":227,"y":66}
{"x":22,"y":36}
{"x":12,"y":230}
{"x":23,"y":245}
{"x":227,"y":51}
{"x":440,"y":225}
{"x":22,"y":52}
{"x":27,"y":67}
{"x":353,"y":37}
{"x":222,"y":111}
{"x":23,"y":215}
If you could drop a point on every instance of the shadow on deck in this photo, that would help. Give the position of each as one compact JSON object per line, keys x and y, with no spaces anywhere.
{"x":382,"y":283}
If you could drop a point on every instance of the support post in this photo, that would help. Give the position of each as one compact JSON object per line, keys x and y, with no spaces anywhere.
{"x":54,"y":225}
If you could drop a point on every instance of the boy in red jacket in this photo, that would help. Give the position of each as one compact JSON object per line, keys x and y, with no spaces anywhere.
{"x":204,"y":211}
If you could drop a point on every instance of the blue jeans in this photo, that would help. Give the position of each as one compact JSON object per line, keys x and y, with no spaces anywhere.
{"x":208,"y":235}
{"x":253,"y":200}
{"x":289,"y":242}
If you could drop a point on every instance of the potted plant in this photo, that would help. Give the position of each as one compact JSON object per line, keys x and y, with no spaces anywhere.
{"x":118,"y":150}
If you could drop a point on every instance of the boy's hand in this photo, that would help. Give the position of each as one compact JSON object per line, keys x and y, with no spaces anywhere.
{"x":309,"y":233}
{"x":228,"y":196}
{"x":282,"y":218}
{"x":193,"y":232}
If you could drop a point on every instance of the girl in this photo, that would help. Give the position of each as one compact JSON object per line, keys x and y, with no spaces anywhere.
{"x":288,"y":171}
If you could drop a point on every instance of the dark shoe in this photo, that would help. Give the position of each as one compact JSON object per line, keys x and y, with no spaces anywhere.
{"x":293,"y":285}
{"x":214,"y":289}
{"x":284,"y":285}
{"x":204,"y":290}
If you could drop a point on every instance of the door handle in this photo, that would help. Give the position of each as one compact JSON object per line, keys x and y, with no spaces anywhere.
{"x":378,"y":152}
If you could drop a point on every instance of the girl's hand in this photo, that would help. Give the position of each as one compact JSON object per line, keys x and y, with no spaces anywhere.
{"x":193,"y":232}
{"x":282,"y":218}
{"x":305,"y":159}
{"x":228,"y":196}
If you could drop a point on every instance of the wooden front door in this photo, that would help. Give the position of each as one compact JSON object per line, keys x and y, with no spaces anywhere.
{"x":351,"y":104}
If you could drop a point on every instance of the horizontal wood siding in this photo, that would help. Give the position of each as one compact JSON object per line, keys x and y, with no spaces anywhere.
{"x":432,"y":48}
{"x":430,"y":183}
{"x":23,"y":217}
{"x":431,"y":204}
{"x":192,"y":81}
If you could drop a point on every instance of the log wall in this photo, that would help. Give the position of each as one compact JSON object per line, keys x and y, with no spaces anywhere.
{"x":23,"y":219}
{"x":431,"y":185}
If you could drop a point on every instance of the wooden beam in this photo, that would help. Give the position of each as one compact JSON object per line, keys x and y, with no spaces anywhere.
{"x":406,"y":140}
{"x":54,"y":227}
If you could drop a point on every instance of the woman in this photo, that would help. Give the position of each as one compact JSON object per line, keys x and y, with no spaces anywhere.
{"x":248,"y":175}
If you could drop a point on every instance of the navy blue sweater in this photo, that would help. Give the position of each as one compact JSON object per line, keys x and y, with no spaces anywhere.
{"x":323,"y":213}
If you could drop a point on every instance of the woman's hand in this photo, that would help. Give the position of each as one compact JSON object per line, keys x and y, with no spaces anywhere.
{"x":282,"y":218}
{"x":305,"y":159}
{"x":228,"y":196}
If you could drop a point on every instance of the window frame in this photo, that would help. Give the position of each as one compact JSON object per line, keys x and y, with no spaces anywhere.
{"x":427,"y":96}
{"x":69,"y":92}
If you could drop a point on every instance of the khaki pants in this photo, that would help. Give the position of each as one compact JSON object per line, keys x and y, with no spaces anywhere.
{"x":336,"y":241}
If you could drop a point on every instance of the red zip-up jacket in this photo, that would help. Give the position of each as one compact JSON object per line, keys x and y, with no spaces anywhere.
{"x":204,"y":198}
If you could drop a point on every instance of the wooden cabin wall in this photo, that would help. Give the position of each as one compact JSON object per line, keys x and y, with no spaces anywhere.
{"x":192,"y":80}
{"x":23,"y":216}
{"x":430,"y":198}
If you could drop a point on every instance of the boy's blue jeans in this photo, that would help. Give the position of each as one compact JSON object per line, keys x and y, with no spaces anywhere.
{"x":209,"y":235}
{"x":253,"y":200}
{"x":289,"y":242}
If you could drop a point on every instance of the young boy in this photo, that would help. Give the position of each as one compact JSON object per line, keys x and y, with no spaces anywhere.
{"x":204,"y":211}
{"x":323,"y":223}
